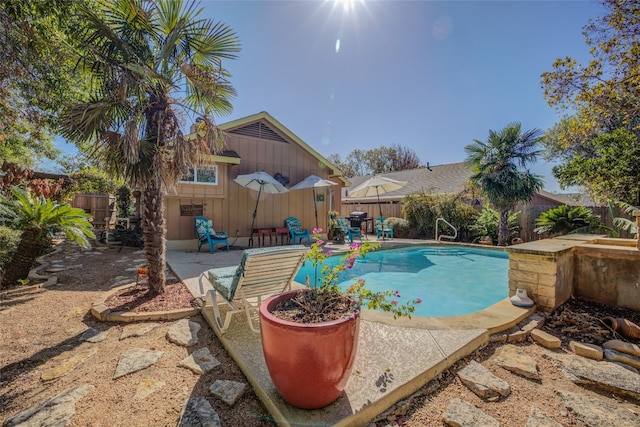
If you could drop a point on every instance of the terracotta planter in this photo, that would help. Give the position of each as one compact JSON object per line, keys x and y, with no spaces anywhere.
{"x":309,"y":364}
{"x":624,"y":327}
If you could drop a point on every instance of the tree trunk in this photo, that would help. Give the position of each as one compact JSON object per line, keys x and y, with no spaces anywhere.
{"x":29,"y":248}
{"x":153,"y":235}
{"x":503,"y":228}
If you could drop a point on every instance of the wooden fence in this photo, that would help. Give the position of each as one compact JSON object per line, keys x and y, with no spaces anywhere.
{"x":389,"y":210}
{"x":101,"y":206}
{"x":528,"y":215}
{"x":526,"y":219}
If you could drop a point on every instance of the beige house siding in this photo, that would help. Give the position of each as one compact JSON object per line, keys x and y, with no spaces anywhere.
{"x":230,"y":206}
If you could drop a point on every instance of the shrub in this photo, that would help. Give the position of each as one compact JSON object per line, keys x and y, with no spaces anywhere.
{"x":123,"y":202}
{"x":9,"y":239}
{"x":565,"y":219}
{"x":487,"y":223}
{"x":422,"y":210}
{"x":400,"y":227}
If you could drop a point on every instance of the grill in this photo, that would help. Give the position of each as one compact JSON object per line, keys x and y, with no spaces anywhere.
{"x":356,"y":218}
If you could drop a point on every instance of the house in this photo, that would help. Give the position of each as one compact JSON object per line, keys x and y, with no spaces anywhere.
{"x":442,"y":179}
{"x":254,"y":143}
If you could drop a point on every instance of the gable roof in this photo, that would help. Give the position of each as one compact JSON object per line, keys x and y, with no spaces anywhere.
{"x":441,"y":179}
{"x":263,"y":125}
{"x":571,"y":199}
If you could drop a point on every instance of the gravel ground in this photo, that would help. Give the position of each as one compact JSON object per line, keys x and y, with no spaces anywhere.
{"x":38,"y":328}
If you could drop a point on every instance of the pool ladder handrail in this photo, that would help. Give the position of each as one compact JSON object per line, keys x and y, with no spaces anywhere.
{"x":445,"y":236}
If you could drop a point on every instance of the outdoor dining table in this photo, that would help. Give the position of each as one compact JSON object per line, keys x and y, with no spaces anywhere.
{"x":283,"y":232}
{"x":262,"y":232}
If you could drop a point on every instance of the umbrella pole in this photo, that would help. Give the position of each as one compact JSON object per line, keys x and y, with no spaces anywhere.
{"x":380,"y":207}
{"x":315,"y":205}
{"x":255,"y":211}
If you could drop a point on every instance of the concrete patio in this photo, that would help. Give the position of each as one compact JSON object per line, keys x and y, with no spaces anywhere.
{"x":395,"y":357}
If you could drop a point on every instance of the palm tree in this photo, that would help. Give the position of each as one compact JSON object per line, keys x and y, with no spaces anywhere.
{"x":496,"y":170}
{"x":152,"y":62}
{"x":38,"y":217}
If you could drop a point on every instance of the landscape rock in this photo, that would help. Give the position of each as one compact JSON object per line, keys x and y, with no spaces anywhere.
{"x":482,"y":382}
{"x":137,"y":330}
{"x":56,"y":411}
{"x":98,"y":338}
{"x":184,"y":332}
{"x":627,"y":359}
{"x":539,"y":418}
{"x":519,"y":336}
{"x":463,"y":414}
{"x":627,"y":367}
{"x":227,"y":391}
{"x":94,"y":335}
{"x":68,"y":362}
{"x":595,"y":412}
{"x":135,"y":360}
{"x":601,"y":375}
{"x":198,"y":412}
{"x":514,"y":359}
{"x":200,"y":361}
{"x":533,"y":324}
{"x":623,"y":347}
{"x":545,"y":339}
{"x":147,"y":387}
{"x":590,"y":351}
{"x":499,"y":337}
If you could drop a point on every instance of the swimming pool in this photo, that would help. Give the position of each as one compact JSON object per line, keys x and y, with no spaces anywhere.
{"x":451,"y":281}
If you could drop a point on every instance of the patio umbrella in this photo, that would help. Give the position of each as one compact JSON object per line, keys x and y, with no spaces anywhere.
{"x":261,"y":182}
{"x":313,"y":182}
{"x":376,"y":186}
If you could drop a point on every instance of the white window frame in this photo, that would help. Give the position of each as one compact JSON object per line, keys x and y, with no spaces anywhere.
{"x":194,"y":174}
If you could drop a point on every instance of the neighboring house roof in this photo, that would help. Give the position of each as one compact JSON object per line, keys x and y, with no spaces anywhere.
{"x":263,"y":125}
{"x":441,"y":179}
{"x":48,"y":175}
{"x":571,"y":199}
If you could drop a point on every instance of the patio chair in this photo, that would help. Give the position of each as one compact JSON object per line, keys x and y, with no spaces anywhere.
{"x":208,"y":236}
{"x":348,"y":230}
{"x":383,"y":228}
{"x":262,"y":272}
{"x":296,"y":231}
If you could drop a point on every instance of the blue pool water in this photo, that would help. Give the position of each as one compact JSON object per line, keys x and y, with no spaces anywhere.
{"x":451,"y":281}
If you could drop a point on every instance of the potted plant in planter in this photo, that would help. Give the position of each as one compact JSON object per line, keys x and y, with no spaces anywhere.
{"x":310,"y":335}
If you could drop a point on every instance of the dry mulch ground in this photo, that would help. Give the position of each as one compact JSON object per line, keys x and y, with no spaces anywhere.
{"x":38,"y":328}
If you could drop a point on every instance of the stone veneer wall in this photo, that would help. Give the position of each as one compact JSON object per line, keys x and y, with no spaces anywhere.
{"x":602,"y":270}
{"x":608,"y":275}
{"x":547,"y":278}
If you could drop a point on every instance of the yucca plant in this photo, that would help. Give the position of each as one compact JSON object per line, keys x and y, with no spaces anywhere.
{"x":38,"y":218}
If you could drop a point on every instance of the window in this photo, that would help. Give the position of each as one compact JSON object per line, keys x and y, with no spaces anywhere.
{"x":203,"y":175}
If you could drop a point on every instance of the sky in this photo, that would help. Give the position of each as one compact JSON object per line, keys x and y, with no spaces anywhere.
{"x":432,"y":76}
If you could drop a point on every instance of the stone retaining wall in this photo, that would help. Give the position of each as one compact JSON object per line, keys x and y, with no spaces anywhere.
{"x":599,"y":269}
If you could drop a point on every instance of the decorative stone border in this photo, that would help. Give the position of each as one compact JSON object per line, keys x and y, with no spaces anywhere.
{"x":49,"y":279}
{"x":101,"y":312}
